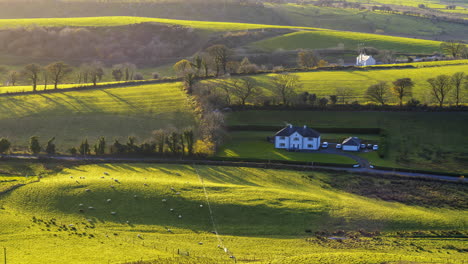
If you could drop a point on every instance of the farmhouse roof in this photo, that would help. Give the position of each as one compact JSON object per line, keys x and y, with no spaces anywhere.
{"x":303,"y":131}
{"x":352,"y":141}
{"x":364,"y":57}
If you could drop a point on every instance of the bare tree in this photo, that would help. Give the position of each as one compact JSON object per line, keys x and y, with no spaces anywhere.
{"x":96,"y":71}
{"x":458,"y":79}
{"x":284,"y":86}
{"x":117,"y":72}
{"x":31,"y":72}
{"x":12,"y":77}
{"x":307,"y":59}
{"x":343,"y":93}
{"x":378,"y":93}
{"x":440,"y":87}
{"x":246,"y":88}
{"x":57,"y":71}
{"x":220,"y":55}
{"x":182,"y":67}
{"x":453,"y":48}
{"x":402,"y":88}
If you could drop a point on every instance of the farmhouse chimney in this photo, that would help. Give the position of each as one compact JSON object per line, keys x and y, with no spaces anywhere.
{"x":290,"y":125}
{"x":305,"y":126}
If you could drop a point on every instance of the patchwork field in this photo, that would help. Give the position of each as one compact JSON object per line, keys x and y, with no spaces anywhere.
{"x":430,"y":141}
{"x":260,"y":215}
{"x":112,"y":113}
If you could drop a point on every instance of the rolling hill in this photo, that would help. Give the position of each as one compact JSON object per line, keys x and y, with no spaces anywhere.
{"x":122,"y":212}
{"x":112,"y":113}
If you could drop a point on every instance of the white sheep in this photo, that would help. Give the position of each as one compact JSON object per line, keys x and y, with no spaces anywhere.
{"x":180,"y":216}
{"x":139,"y":236}
{"x":172,"y":188}
{"x":177,"y":193}
{"x":145,"y":184}
{"x":90,"y":208}
{"x":80,"y":205}
{"x":164,"y":200}
{"x":109,"y":200}
{"x":89,"y":220}
{"x":112,"y":186}
{"x":172,"y":210}
{"x":113,"y":213}
{"x":135,"y":196}
{"x":88,"y":190}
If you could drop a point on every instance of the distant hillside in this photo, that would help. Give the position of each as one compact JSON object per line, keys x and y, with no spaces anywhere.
{"x":263,"y":12}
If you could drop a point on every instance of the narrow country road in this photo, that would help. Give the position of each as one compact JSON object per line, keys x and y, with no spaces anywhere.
{"x":366,"y":170}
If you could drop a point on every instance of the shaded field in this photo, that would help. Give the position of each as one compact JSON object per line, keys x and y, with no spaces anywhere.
{"x":257,"y":212}
{"x":112,"y":113}
{"x":430,"y":141}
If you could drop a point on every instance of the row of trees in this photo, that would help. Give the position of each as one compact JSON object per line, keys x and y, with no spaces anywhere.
{"x":59,"y":72}
{"x":163,"y":142}
{"x":441,"y":87}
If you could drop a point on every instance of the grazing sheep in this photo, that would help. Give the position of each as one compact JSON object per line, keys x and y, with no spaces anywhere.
{"x":135,"y":196}
{"x":116,"y":180}
{"x":109,"y":200}
{"x":201,"y":205}
{"x":87,"y":190}
{"x":168,"y":230}
{"x":106,"y":173}
{"x":180,"y":216}
{"x":90,"y":208}
{"x":71,"y":177}
{"x":172,"y":188}
{"x":128,"y":222}
{"x":145,"y":184}
{"x":200,"y":243}
{"x":177,"y":193}
{"x":164,"y":200}
{"x":103,"y":177}
{"x":89,"y":220}
{"x":113,"y":213}
{"x":139,"y":236}
{"x":71,"y":225}
{"x":112,"y":186}
{"x":80,"y":205}
{"x":172,"y":210}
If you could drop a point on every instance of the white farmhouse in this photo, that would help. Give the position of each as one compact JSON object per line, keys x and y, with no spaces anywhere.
{"x":351,"y":144}
{"x":365,"y":60}
{"x":297,"y":138}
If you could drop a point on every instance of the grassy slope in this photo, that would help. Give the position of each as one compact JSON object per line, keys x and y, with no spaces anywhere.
{"x":324,"y":83}
{"x":351,"y":40}
{"x":72,"y":116}
{"x":257,"y":212}
{"x":352,"y":20}
{"x":429,"y":140}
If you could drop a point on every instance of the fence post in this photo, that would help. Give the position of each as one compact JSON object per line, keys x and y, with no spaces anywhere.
{"x":4,"y":255}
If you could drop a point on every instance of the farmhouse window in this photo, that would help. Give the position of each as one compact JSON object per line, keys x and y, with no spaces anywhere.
{"x":282,"y":145}
{"x":310,"y":138}
{"x":282,"y":138}
{"x":309,"y":146}
{"x":296,"y":139}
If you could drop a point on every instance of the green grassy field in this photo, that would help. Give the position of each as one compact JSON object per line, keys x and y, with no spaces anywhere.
{"x":350,"y":40}
{"x":324,"y":83}
{"x":371,"y":22}
{"x":253,"y":144}
{"x":113,"y":113}
{"x":259,"y":214}
{"x":430,"y":141}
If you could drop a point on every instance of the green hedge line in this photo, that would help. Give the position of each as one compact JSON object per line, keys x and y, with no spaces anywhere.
{"x":450,"y":174}
{"x":319,"y":129}
{"x":286,"y":162}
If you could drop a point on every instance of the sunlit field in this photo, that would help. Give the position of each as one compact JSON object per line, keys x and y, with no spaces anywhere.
{"x":71,"y":117}
{"x":122,"y":212}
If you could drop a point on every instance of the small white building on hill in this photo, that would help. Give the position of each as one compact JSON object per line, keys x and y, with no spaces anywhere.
{"x":297,"y":138}
{"x":365,"y":60}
